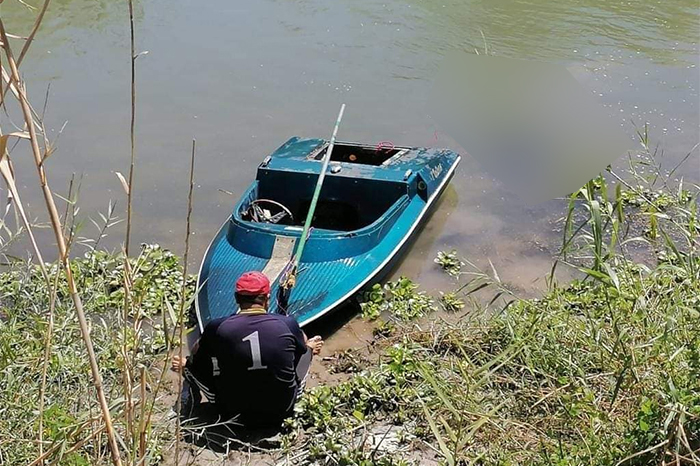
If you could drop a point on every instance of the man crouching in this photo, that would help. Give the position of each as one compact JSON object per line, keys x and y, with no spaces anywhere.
{"x":251,"y":365}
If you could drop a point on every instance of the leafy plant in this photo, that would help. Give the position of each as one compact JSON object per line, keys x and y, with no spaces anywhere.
{"x":399,"y":299}
{"x":449,"y":262}
{"x":451,"y":302}
{"x":69,"y":406}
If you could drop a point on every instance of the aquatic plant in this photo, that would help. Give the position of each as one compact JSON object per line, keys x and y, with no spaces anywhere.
{"x":399,"y":299}
{"x":449,"y":262}
{"x":373,"y":302}
{"x":451,"y":302}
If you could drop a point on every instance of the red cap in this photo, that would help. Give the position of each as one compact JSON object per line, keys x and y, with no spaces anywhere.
{"x":253,"y":283}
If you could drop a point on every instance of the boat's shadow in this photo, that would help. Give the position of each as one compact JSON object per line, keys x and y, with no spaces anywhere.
{"x":329,"y":325}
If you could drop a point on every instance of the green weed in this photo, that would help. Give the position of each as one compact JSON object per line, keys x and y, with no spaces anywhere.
{"x":449,"y":262}
{"x":399,"y":300}
{"x":69,"y":414}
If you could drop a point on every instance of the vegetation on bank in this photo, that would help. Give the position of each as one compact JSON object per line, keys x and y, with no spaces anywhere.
{"x":72,"y":425}
{"x":602,"y":371}
{"x":588,"y":374}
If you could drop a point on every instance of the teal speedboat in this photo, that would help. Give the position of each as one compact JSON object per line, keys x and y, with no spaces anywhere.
{"x":373,"y":200}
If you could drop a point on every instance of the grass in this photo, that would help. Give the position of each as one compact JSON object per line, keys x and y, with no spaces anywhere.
{"x":602,"y":371}
{"x":70,"y":415}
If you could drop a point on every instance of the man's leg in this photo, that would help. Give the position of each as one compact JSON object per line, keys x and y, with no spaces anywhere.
{"x":192,"y":390}
{"x":190,"y":398}
{"x":302,"y":370}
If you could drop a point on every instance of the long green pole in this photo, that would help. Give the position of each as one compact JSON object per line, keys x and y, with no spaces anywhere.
{"x":317,"y":192}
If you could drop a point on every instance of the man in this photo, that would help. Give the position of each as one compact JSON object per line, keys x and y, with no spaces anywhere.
{"x":252,"y":364}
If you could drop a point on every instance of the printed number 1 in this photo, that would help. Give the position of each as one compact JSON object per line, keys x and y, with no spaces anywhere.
{"x":255,"y":351}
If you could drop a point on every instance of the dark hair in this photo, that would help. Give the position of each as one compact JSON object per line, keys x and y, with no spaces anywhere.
{"x":250,"y":299}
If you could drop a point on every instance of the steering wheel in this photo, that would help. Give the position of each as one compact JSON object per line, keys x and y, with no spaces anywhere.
{"x":268,"y":211}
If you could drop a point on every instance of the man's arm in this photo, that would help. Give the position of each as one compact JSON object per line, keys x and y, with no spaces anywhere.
{"x":303,"y":342}
{"x":201,"y":346}
{"x":314,"y":343}
{"x":178,"y":363}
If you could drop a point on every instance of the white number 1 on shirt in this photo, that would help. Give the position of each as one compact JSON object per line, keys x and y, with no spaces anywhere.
{"x":255,"y":351}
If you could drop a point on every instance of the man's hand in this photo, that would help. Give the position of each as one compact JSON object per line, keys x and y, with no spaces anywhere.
{"x":178,"y":363}
{"x":315,"y":344}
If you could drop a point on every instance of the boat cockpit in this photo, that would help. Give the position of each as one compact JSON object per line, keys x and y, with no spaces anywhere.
{"x":346,"y":203}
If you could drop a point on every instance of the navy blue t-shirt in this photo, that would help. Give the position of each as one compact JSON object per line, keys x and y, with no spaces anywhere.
{"x":249,"y":361}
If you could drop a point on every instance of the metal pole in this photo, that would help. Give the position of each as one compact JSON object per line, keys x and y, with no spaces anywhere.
{"x":317,"y":192}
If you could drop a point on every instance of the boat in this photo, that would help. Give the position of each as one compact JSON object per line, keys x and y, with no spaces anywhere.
{"x":373,"y":201}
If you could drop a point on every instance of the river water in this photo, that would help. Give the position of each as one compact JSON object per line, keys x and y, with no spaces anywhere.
{"x":242,"y":77}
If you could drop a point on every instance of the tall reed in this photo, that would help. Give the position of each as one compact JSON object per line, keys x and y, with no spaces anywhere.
{"x":132,"y":128}
{"x":183,"y":299}
{"x":63,"y":253}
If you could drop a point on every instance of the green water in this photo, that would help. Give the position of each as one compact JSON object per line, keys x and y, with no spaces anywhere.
{"x":242,"y":77}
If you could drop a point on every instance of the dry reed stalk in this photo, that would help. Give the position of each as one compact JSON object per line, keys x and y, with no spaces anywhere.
{"x":169,"y":338}
{"x":127,"y":242}
{"x":131,"y":132}
{"x":45,"y":364}
{"x":129,"y":357}
{"x":78,"y":445}
{"x":61,"y":244}
{"x":142,"y":420}
{"x":8,"y":175}
{"x":126,"y":374}
{"x":70,"y":211}
{"x":58,"y":447}
{"x":126,"y":380}
{"x":7,"y":77}
{"x":183,"y":300}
